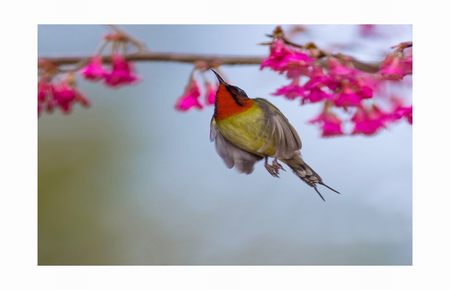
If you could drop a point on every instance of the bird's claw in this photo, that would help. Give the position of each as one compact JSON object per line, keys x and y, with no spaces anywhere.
{"x":277,"y":165}
{"x":273,"y":169}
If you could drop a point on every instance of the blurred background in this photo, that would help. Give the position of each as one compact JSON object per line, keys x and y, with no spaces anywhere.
{"x":133,"y":181}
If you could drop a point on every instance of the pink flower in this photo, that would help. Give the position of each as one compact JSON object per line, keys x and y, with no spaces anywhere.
{"x":316,"y":88}
{"x":335,"y":67}
{"x":317,"y":78}
{"x":45,"y":95}
{"x":366,"y":84}
{"x":315,"y":95}
{"x":368,"y":121}
{"x":407,"y":112}
{"x":285,"y":59}
{"x":407,"y":63}
{"x":296,"y":64}
{"x":291,"y":91}
{"x":278,"y":52}
{"x":330,"y":124}
{"x":44,"y":89}
{"x":65,"y":96}
{"x":210,"y":95}
{"x":351,"y":85}
{"x":403,"y":112}
{"x":348,"y":97}
{"x":94,"y":69}
{"x":400,"y":111}
{"x":190,"y":98}
{"x":122,"y":72}
{"x":352,"y":90}
{"x":395,"y":66}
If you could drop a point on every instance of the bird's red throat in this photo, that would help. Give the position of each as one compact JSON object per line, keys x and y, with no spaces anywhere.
{"x":227,"y":106}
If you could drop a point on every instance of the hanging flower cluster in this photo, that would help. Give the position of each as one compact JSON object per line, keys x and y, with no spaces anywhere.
{"x":398,"y":64}
{"x":121,"y":73}
{"x":334,"y":80}
{"x":59,"y":93}
{"x":58,"y":89}
{"x":191,"y":97}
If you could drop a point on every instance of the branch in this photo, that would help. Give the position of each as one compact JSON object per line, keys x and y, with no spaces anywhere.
{"x":211,"y":60}
{"x":366,"y":67}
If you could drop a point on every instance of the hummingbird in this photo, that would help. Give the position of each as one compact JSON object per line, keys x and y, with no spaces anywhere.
{"x":246,"y":130}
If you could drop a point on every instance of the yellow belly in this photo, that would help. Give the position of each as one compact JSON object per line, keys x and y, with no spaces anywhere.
{"x":247,"y":131}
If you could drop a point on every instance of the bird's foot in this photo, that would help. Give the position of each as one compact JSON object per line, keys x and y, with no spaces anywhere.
{"x":277,"y":165}
{"x":273,"y":169}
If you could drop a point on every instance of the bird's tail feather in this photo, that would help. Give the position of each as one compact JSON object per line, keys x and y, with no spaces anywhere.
{"x":307,"y":174}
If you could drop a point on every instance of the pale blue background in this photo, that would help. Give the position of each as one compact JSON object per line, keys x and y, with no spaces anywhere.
{"x":132,"y":181}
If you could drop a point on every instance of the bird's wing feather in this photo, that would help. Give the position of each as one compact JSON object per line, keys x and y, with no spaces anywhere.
{"x":279,"y":130}
{"x":232,"y":155}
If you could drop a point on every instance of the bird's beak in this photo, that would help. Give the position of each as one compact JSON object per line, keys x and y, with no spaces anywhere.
{"x":219,"y":78}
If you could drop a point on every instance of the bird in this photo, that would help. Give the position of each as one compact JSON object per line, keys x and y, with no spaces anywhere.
{"x":246,"y":130}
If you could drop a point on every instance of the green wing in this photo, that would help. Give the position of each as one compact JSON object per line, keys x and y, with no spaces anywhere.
{"x":279,"y":130}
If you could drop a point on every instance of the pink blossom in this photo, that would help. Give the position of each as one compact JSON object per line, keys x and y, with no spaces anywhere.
{"x":65,"y":96}
{"x":44,"y":90}
{"x":190,"y":98}
{"x":407,"y":112}
{"x":348,"y":97}
{"x":62,"y":95}
{"x":316,"y":87}
{"x":330,"y":124}
{"x":210,"y":95}
{"x":366,"y":84}
{"x":407,"y":64}
{"x":45,"y":95}
{"x":351,"y":90}
{"x":94,"y":69}
{"x":369,"y":121}
{"x":395,"y":66}
{"x":285,"y":59}
{"x":351,"y":85}
{"x":365,"y":92}
{"x":278,"y":52}
{"x":315,"y":95}
{"x":317,"y":78}
{"x":291,"y":91}
{"x":296,"y":64}
{"x":400,"y":111}
{"x":335,"y":67}
{"x":122,"y":72}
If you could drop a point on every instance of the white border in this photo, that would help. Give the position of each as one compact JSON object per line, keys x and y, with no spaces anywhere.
{"x":19,"y":161}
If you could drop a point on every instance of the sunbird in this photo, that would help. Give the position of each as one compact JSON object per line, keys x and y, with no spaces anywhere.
{"x":246,"y":130}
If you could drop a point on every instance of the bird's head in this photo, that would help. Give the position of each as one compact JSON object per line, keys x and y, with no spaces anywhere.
{"x":226,"y":90}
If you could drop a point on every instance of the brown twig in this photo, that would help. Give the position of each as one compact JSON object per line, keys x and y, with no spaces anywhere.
{"x":210,"y":60}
